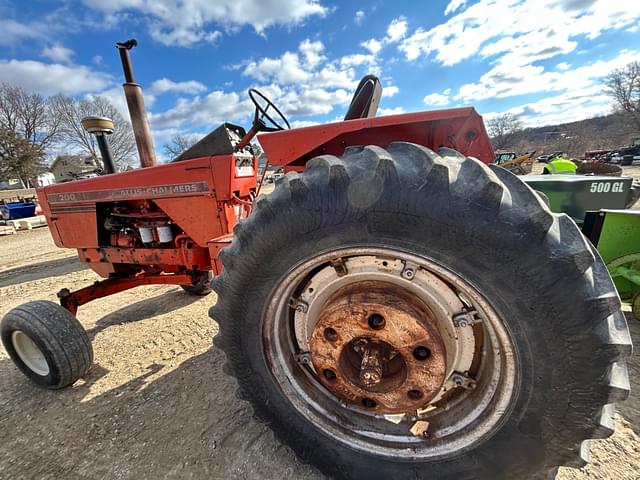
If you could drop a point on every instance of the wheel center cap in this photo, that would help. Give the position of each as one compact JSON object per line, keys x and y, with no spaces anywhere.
{"x":375,"y":346}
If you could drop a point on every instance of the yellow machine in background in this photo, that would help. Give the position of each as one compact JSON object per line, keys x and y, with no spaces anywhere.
{"x":519,"y":165}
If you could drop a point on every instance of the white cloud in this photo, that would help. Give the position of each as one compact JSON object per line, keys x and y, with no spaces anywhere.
{"x":563,"y":66}
{"x":165,"y":85}
{"x":312,"y":52}
{"x":390,"y":111}
{"x":186,"y":22}
{"x":358,"y":19}
{"x":58,"y":53}
{"x":12,"y":32}
{"x":562,"y":108}
{"x":303,"y":123}
{"x":357,"y":59}
{"x":52,"y":78}
{"x":571,"y":95}
{"x":390,"y":91}
{"x":517,"y":24}
{"x":507,"y":81}
{"x":436,"y":99}
{"x":373,"y":45}
{"x":303,"y":82}
{"x":285,"y":69}
{"x":396,"y":30}
{"x":454,"y":5}
{"x":216,"y":107}
{"x":115,"y":96}
{"x":311,"y":71}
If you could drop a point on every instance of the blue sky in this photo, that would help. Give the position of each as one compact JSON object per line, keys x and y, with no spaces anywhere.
{"x":541,"y":59}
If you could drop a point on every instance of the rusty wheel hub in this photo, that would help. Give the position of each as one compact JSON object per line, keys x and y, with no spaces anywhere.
{"x":376,"y":348}
{"x":389,"y":351}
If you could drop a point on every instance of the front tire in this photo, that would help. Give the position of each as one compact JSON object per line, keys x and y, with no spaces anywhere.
{"x":548,"y":339}
{"x":201,"y":287}
{"x":47,"y":343}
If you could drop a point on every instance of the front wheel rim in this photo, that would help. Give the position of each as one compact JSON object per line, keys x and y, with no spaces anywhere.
{"x":474,"y":361}
{"x":29,"y":353}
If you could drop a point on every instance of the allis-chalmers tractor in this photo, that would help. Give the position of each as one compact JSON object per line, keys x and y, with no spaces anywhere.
{"x":377,"y":309}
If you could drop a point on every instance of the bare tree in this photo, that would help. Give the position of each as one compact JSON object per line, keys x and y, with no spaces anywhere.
{"x":624,"y":86}
{"x":71,"y":112}
{"x":28,"y":115}
{"x":179,"y":144}
{"x":503,"y":129}
{"x":19,"y":158}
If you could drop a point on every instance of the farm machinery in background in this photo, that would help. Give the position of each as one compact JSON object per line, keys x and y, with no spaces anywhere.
{"x":516,"y":164}
{"x":624,"y":156}
{"x":378,"y":309}
{"x":597,"y":198}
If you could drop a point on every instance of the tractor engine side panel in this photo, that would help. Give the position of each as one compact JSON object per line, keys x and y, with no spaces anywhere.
{"x":160,"y":217}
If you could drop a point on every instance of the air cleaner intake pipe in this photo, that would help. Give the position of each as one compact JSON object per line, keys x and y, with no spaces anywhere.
{"x":135,"y":103}
{"x":100,"y":127}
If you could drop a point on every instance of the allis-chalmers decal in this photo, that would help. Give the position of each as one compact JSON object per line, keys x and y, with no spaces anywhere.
{"x":174,"y":190}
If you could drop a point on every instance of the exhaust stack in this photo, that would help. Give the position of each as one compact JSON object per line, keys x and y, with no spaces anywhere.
{"x":135,"y":103}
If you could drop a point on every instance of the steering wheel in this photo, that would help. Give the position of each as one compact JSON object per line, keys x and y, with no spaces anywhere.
{"x":261,"y":112}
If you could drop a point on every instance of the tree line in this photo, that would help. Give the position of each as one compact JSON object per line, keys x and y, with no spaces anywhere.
{"x":33,"y":127}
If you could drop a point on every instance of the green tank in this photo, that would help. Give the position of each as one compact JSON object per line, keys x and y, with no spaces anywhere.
{"x":577,"y":194}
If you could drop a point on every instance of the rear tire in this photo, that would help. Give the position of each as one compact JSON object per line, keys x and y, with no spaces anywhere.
{"x":47,"y":343}
{"x":201,"y":287}
{"x":485,"y":227}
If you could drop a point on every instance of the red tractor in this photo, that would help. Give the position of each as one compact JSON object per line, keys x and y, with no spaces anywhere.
{"x":377,"y":309}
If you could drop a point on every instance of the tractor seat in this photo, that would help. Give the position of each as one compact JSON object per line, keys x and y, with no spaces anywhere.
{"x":366,"y":98}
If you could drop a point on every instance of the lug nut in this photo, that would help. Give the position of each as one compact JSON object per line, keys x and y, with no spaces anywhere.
{"x":376,"y":321}
{"x":421,"y":353}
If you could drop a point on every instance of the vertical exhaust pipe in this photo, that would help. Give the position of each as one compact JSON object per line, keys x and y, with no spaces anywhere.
{"x":135,"y":103}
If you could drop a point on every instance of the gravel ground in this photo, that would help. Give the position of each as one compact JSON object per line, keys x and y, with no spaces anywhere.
{"x":157,"y":404}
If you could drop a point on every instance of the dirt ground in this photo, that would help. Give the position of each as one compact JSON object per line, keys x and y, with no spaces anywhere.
{"x":157,"y":404}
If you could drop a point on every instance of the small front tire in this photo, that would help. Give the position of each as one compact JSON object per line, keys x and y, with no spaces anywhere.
{"x":47,"y":343}
{"x":202,"y":285}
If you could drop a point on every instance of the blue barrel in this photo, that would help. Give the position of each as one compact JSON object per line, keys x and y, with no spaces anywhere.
{"x":14,"y":210}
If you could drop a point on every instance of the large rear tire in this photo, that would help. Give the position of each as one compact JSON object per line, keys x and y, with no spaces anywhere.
{"x":385,"y":245}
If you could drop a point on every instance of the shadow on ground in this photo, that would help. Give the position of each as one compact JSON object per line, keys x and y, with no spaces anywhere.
{"x":185,"y":424}
{"x":37,"y":271}
{"x":630,"y":409}
{"x":159,"y":305}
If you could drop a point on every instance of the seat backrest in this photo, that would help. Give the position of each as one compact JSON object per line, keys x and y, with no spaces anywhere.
{"x":366,"y":98}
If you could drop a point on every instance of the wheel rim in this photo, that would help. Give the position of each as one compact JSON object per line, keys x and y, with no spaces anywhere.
{"x":29,"y":353}
{"x":389,"y":352}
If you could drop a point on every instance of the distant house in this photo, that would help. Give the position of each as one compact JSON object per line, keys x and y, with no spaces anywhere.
{"x":72,"y":167}
{"x":11,"y":184}
{"x":45,"y":179}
